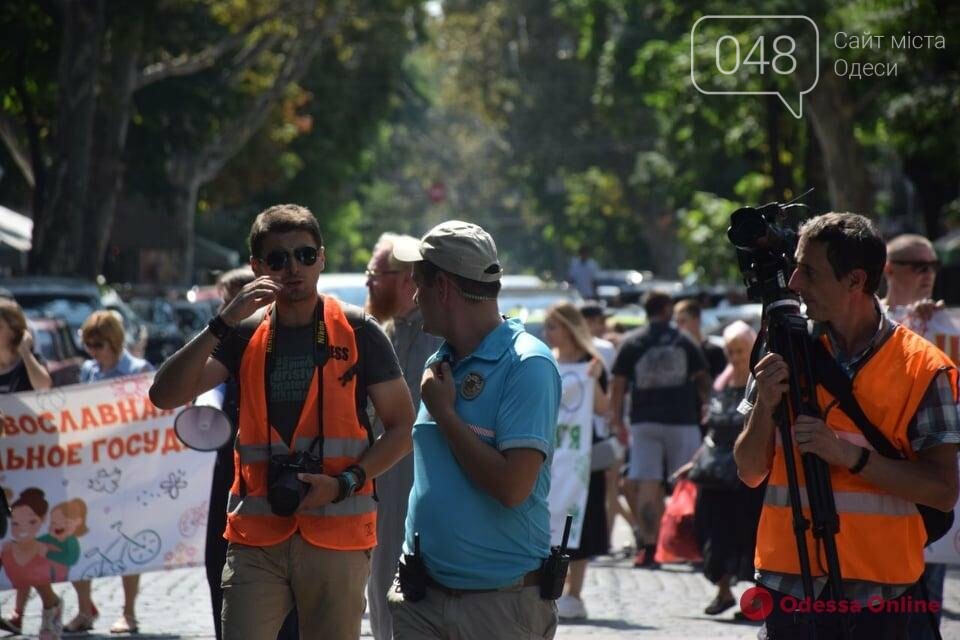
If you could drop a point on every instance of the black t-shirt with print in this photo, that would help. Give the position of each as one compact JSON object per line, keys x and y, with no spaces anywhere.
{"x":660,"y":362}
{"x":292,"y":368}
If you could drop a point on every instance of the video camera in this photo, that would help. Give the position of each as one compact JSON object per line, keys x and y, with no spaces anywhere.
{"x":766,"y":238}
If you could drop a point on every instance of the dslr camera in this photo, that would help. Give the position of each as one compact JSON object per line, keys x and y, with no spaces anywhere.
{"x":284,"y":490}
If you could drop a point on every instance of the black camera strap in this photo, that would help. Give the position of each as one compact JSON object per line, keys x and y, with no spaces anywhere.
{"x":320,"y":356}
{"x":835,"y":380}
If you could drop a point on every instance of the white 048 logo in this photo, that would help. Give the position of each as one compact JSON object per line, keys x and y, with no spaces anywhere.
{"x":722,"y":63}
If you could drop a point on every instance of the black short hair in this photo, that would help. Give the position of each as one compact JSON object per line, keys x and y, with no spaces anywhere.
{"x":656,"y":303}
{"x":852,"y":241}
{"x":471,"y":290}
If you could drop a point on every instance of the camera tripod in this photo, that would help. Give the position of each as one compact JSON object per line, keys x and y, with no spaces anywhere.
{"x":786,"y":335}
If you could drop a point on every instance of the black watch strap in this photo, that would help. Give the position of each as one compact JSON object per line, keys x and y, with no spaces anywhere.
{"x":219,"y":328}
{"x":346,"y":485}
{"x":861,"y":461}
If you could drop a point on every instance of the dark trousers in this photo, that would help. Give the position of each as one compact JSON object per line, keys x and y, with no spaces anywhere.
{"x":216,"y":552}
{"x":864,"y":625}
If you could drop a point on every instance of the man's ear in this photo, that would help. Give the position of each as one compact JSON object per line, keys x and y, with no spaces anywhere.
{"x":322,"y":257}
{"x":857,"y":279}
{"x":256,"y":266}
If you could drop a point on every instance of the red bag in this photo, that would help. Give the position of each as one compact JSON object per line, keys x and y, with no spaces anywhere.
{"x":677,"y":541}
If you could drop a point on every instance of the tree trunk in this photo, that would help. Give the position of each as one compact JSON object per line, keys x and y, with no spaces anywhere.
{"x":191,"y":169}
{"x":831,"y":111}
{"x":184,"y":202}
{"x":110,"y":126}
{"x":58,"y":226}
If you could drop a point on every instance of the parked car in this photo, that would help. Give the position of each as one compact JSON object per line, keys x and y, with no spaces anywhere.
{"x":165,"y":336}
{"x":348,"y":287}
{"x":621,"y":286}
{"x":71,"y":299}
{"x":52,"y":339}
{"x":192,"y":317}
{"x":521,"y":295}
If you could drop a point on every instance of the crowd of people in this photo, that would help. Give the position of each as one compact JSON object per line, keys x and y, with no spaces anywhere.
{"x":359,"y":431}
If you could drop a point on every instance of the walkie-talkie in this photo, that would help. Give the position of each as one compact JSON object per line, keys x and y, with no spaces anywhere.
{"x":412,"y":573}
{"x":553,"y":573}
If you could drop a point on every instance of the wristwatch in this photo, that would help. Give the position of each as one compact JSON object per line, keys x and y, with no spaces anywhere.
{"x":350,"y":481}
{"x":219,"y":328}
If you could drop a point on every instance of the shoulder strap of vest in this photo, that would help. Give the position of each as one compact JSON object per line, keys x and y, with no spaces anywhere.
{"x":836,"y":381}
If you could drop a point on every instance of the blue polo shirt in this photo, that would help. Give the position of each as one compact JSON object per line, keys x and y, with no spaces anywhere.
{"x":508,"y":391}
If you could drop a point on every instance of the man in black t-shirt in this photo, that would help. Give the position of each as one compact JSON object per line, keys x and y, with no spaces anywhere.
{"x":669,"y":384}
{"x":322,"y":558}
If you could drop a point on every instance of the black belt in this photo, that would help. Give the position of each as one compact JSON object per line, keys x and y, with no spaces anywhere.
{"x":531,"y":579}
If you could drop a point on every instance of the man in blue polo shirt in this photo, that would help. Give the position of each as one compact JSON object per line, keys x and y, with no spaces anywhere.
{"x":483,"y":441}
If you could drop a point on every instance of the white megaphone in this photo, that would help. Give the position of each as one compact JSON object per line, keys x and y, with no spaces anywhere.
{"x":203,"y":426}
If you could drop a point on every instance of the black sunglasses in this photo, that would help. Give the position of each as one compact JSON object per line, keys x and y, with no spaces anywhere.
{"x":920,"y":266}
{"x":278,"y":259}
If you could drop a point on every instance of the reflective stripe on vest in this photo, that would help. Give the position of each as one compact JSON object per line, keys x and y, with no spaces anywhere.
{"x":847,"y":502}
{"x":259,"y":506}
{"x":881,"y":537}
{"x":348,"y":525}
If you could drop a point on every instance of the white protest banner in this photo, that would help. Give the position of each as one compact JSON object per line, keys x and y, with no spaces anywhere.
{"x":570,"y":470}
{"x":99,"y":485}
{"x":943,"y":330}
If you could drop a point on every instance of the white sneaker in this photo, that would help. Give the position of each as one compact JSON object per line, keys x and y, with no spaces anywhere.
{"x":571,"y":608}
{"x":51,"y":625}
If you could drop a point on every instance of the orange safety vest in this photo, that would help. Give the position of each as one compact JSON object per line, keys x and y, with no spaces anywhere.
{"x":347,"y":525}
{"x":881,"y":536}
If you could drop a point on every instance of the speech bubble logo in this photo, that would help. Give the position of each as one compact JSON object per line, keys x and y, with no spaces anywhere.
{"x":728,"y":54}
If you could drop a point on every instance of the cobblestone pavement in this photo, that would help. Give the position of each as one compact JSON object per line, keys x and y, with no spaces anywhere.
{"x":622,"y":602}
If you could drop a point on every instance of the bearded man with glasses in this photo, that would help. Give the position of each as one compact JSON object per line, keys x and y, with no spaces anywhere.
{"x":301,"y":518}
{"x":911,"y":272}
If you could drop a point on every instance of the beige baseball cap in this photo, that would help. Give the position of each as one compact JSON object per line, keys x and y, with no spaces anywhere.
{"x":459,"y":247}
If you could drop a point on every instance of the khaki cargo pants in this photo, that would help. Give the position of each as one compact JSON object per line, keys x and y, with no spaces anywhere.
{"x":262,"y":584}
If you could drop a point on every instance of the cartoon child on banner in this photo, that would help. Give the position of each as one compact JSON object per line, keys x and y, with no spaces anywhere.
{"x":68,"y":521}
{"x":25,"y":558}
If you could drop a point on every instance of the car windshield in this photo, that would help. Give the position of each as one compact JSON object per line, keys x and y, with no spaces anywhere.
{"x":72,"y":309}
{"x":153,"y":311}
{"x":44,"y":345}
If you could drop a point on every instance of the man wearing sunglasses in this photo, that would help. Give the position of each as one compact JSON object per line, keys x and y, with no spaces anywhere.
{"x":911,"y":272}
{"x":306,"y":365}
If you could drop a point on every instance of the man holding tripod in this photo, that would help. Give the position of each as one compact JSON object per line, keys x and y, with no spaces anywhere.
{"x":907,"y":389}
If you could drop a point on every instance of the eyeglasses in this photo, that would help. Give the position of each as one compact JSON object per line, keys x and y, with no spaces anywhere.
{"x":278,"y":259}
{"x":370,"y":273}
{"x":920,"y":266}
{"x":93,"y":346}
